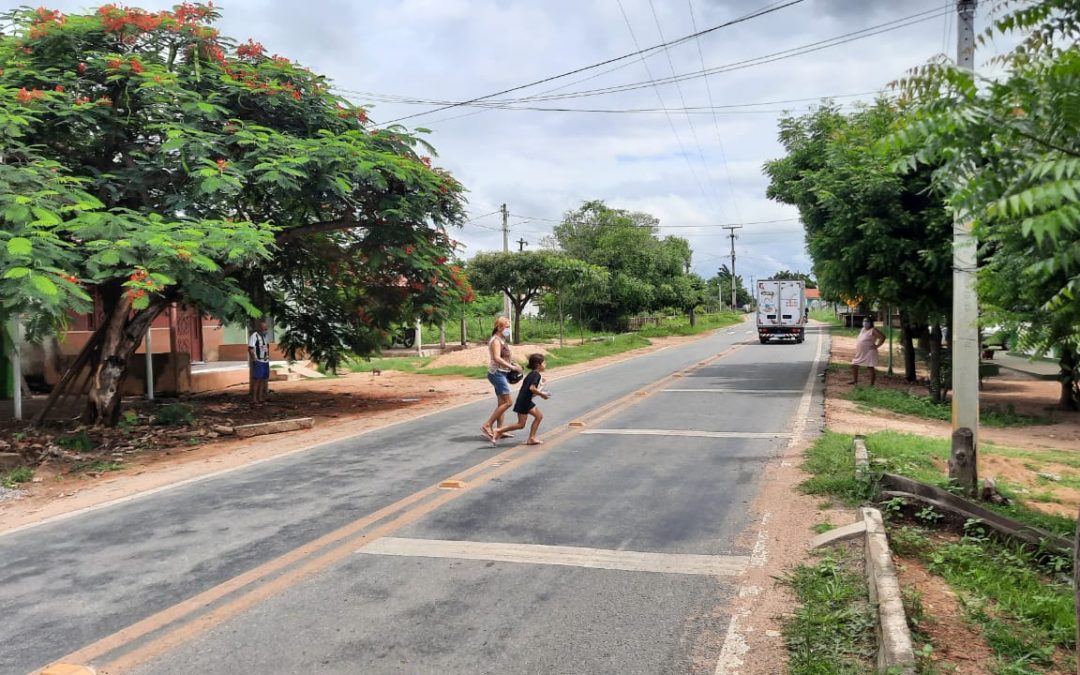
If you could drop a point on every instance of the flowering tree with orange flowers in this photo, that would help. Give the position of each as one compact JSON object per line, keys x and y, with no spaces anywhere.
{"x":147,"y":160}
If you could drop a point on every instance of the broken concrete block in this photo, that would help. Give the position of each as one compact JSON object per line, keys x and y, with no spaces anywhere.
{"x":275,"y":427}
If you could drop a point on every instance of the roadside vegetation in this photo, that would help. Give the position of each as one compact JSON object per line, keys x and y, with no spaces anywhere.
{"x":594,"y":346}
{"x":925,"y":407}
{"x":832,"y":632}
{"x":1020,"y":600}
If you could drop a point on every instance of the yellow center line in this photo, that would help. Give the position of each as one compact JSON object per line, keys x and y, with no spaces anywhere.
{"x":327,"y":549}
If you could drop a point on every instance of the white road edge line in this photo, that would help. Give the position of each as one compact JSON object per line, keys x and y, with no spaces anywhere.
{"x":570,"y":556}
{"x":689,"y":432}
{"x":735,"y":646}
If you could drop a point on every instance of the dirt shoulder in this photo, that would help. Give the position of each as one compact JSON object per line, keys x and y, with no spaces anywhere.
{"x":342,"y":407}
{"x":1023,"y":395}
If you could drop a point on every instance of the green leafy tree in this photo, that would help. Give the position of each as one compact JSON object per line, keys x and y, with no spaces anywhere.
{"x":147,"y":160}
{"x":718,"y":289}
{"x":524,"y":276}
{"x":872,"y":233}
{"x":788,"y":275}
{"x":627,"y":245}
{"x":1005,"y":155}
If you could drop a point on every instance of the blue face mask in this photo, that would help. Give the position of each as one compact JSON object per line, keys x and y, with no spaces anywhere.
{"x":506,"y":332}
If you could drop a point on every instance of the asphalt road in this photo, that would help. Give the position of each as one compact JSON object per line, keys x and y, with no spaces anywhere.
{"x":614,"y":548}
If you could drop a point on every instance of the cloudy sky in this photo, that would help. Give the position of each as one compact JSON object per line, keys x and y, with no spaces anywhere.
{"x":696,"y":172}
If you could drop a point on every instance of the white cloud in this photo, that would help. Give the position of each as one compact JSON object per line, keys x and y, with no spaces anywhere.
{"x":544,"y":163}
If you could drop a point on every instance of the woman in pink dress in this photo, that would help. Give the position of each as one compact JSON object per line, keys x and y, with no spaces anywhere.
{"x":866,"y":346}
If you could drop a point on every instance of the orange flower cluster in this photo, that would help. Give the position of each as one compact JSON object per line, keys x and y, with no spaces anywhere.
{"x":44,"y":20}
{"x":68,"y":277}
{"x":25,"y":96}
{"x":250,"y":50}
{"x":133,"y":21}
{"x":222,"y":164}
{"x":82,"y":100}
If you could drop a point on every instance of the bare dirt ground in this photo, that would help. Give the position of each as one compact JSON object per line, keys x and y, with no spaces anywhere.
{"x":1024,"y":395}
{"x":157,"y":457}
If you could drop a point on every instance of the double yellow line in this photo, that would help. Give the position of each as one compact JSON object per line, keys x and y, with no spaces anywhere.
{"x":185,"y":621}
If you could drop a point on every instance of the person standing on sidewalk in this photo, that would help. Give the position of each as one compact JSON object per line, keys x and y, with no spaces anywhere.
{"x":500,"y":366}
{"x":259,"y":362}
{"x":866,"y":346}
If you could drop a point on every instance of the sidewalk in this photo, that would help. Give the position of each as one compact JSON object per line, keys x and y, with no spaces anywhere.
{"x":1039,"y":369}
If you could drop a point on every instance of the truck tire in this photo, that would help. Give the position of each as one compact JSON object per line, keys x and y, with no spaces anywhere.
{"x":802,"y":336}
{"x":764,"y":340}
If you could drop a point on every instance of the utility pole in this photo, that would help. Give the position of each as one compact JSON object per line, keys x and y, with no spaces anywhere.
{"x":506,"y":249}
{"x":522,"y":244}
{"x":965,"y":310}
{"x":731,"y":235}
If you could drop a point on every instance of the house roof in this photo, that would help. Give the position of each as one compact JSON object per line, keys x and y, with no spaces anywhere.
{"x":812,"y":294}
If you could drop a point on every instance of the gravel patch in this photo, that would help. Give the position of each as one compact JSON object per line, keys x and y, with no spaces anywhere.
{"x":9,"y":494}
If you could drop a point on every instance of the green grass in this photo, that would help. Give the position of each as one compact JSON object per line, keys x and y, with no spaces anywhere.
{"x":96,"y":466}
{"x":533,"y":329}
{"x":557,"y":357}
{"x":826,"y":316}
{"x":403,"y":364}
{"x":831,"y":463}
{"x":570,"y":355}
{"x":1024,"y":612}
{"x":22,"y":474}
{"x":925,"y":408}
{"x":822,"y":528}
{"x":1023,"y":607}
{"x":832,"y":632}
{"x":681,"y":325}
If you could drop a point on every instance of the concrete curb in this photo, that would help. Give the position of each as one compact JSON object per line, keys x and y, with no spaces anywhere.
{"x":862,"y":458}
{"x":895,"y":652}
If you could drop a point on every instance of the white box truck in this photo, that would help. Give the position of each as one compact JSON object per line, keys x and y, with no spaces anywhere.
{"x":781,"y":310}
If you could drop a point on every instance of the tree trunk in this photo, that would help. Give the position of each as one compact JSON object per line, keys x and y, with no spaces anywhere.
{"x":937,"y":391}
{"x":124,"y":333}
{"x":691,"y":317}
{"x":1070,"y":383}
{"x":518,"y":306}
{"x":562,"y":320}
{"x":908,"y":342}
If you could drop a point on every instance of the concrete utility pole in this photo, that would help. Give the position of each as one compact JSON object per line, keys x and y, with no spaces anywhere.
{"x":16,"y":367}
{"x":731,"y":235}
{"x":506,"y":249}
{"x":149,"y":365}
{"x":965,"y":309}
{"x":522,"y":244}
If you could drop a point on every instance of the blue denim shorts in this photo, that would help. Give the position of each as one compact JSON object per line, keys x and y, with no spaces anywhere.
{"x":499,"y":381}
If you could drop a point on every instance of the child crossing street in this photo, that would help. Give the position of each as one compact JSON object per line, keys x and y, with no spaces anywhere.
{"x":532,"y":385}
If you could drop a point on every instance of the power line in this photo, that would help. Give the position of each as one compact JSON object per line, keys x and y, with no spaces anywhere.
{"x":616,"y":59}
{"x":565,"y":85}
{"x":729,"y":109}
{"x":845,"y":38}
{"x":659,"y":97}
{"x":689,"y":119}
{"x":715,"y":117}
